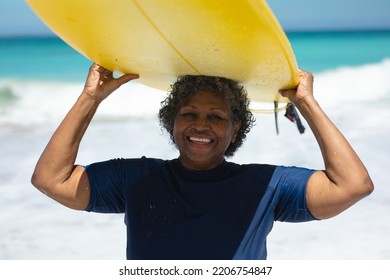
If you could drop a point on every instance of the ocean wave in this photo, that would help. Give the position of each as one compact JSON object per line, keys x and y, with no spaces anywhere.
{"x":370,"y":82}
{"x":27,"y":103}
{"x":7,"y":96}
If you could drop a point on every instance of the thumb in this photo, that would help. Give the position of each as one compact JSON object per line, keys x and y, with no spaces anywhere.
{"x":126,"y":78}
{"x":114,"y":84}
{"x":289,"y":93}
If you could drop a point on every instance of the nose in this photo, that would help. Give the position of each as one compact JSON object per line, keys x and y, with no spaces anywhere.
{"x":201,"y":123}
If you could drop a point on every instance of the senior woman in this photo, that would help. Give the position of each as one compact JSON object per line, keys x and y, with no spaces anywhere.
{"x":200,"y":206}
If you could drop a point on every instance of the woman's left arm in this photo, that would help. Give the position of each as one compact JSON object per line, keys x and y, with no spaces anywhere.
{"x":345,"y":179}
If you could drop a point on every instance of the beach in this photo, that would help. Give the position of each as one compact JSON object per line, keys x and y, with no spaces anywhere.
{"x":41,"y":78}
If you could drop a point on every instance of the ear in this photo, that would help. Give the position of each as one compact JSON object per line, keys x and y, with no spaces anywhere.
{"x":236,"y":129}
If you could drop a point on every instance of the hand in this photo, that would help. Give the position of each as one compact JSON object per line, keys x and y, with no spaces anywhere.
{"x":101,"y":83}
{"x":303,"y":90}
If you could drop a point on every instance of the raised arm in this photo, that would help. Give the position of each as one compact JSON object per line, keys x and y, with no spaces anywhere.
{"x":56,"y":174}
{"x":345,"y":179}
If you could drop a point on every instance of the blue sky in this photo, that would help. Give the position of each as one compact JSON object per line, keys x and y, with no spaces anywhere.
{"x":17,"y":19}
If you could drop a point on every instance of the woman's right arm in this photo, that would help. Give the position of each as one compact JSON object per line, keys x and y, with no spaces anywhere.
{"x":56,"y":174}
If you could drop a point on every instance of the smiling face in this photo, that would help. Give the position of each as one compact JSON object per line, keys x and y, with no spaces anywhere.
{"x":203,"y":130}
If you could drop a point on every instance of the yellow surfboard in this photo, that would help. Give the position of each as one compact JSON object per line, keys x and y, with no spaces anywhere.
{"x":163,"y":39}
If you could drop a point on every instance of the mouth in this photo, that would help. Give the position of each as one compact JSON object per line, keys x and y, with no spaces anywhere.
{"x":200,"y":140}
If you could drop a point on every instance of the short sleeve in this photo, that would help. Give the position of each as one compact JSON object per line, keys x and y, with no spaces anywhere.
{"x":106,"y":181}
{"x":290,"y":198}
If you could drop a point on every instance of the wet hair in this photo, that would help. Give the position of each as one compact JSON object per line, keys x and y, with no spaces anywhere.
{"x":189,"y":85}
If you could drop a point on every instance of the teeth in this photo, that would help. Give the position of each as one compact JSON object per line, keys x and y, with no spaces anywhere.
{"x":203,"y":140}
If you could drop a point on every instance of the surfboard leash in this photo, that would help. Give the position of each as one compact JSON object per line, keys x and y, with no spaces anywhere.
{"x":293,"y":115}
{"x":276,"y":105}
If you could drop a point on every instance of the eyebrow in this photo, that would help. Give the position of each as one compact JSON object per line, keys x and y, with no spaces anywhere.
{"x":221,"y":110}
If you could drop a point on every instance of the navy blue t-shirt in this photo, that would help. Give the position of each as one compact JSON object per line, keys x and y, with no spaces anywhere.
{"x":175,"y":213}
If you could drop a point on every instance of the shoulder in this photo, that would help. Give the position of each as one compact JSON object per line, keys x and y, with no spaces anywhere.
{"x":289,"y":174}
{"x":290,"y":179}
{"x":123,"y":170}
{"x":123,"y":163}
{"x":255,"y":169}
{"x":252,"y":172}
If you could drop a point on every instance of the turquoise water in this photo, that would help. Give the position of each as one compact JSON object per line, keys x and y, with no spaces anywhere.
{"x":321,"y":51}
{"x":51,"y":59}
{"x":40,"y":58}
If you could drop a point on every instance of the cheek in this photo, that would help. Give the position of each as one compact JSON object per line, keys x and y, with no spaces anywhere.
{"x":227,"y":134}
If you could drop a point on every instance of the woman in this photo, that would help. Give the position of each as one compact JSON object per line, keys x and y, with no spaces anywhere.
{"x":199,"y":206}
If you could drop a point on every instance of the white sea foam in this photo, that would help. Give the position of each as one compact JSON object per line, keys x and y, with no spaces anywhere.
{"x":34,"y":227}
{"x":35,"y":103}
{"x":42,"y":102}
{"x":354,"y":84}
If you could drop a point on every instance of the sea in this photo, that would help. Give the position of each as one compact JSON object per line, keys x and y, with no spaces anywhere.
{"x":41,"y":77}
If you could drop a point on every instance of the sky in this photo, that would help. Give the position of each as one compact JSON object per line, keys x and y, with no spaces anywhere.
{"x":17,"y":19}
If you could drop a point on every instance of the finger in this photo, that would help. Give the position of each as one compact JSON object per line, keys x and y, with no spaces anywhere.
{"x":105,"y":74}
{"x":305,"y":75}
{"x":94,"y":66}
{"x":93,"y":73}
{"x":97,"y":68}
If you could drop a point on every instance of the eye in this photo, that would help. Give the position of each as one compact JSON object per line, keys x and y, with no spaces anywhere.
{"x":215,"y":117}
{"x":188,"y":115}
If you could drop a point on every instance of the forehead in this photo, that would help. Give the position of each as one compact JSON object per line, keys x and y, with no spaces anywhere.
{"x":207,"y":99}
